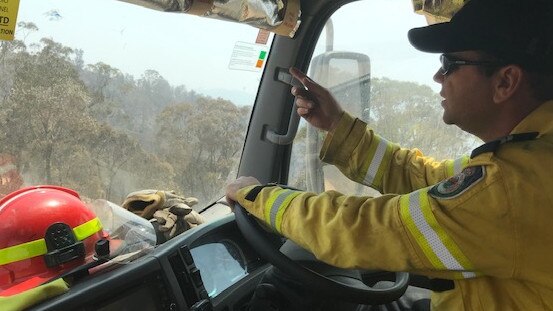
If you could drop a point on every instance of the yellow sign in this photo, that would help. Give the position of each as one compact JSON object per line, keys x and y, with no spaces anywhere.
{"x":8,"y":18}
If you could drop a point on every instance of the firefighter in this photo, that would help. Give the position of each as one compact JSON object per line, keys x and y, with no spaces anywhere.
{"x":482,"y":221}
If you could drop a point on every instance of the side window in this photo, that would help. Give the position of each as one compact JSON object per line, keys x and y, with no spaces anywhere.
{"x":377,"y":76}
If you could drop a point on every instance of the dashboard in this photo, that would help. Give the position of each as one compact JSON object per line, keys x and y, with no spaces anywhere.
{"x":210,"y":267}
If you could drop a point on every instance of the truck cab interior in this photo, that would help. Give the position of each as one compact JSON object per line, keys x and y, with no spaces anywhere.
{"x":109,"y":97}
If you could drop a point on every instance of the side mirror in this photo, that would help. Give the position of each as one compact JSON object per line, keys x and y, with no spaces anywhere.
{"x":348,"y":77}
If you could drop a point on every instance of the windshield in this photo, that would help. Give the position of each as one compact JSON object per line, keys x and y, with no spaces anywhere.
{"x":106,"y":98}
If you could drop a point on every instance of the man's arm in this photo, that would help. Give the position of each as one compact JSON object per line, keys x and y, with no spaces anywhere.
{"x":370,"y":159}
{"x":436,"y":231}
{"x":359,"y":153}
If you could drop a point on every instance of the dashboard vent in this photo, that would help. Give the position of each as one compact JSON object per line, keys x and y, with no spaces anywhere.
{"x":180,"y":271}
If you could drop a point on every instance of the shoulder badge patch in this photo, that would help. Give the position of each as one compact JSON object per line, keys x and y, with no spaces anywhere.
{"x":456,"y":185}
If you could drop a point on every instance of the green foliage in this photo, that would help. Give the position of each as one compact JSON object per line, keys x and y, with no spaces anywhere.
{"x":203,"y":140}
{"x":410,"y":114}
{"x":92,"y":128}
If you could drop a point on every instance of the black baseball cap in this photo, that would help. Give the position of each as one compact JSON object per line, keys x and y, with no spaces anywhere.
{"x":517,"y":31}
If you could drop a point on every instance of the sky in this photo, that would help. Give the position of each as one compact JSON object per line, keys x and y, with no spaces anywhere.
{"x":379,"y":29}
{"x":195,"y":51}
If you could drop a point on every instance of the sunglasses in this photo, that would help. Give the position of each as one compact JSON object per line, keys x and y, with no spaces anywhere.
{"x":449,"y":64}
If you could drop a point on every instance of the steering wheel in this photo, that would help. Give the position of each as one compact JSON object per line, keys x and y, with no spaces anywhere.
{"x":342,"y":288}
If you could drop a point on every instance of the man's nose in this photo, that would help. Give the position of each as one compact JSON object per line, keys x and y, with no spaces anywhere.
{"x":438,"y":76}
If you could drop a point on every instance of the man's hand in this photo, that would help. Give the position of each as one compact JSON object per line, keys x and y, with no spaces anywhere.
{"x":315,"y":103}
{"x":236,"y":185}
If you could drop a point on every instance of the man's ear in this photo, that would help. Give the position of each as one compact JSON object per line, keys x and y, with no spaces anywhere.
{"x":507,"y":81}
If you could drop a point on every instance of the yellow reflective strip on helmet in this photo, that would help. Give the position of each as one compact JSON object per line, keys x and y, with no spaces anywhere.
{"x":22,"y":251}
{"x":282,"y":209}
{"x":87,"y":229}
{"x":38,"y":247}
{"x":437,"y":245}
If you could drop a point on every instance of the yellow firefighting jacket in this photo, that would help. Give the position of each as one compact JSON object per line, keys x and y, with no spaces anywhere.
{"x":484,"y":222}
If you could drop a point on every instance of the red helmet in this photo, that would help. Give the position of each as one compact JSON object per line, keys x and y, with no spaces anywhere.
{"x":44,"y":232}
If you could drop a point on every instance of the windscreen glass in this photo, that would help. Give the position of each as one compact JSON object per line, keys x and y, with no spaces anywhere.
{"x":107,"y":97}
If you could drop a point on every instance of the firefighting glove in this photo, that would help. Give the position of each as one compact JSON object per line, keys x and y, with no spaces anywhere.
{"x":145,"y":203}
{"x":175,"y":220}
{"x":173,"y":213}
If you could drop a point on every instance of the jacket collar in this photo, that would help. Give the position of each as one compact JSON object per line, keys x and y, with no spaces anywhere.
{"x":539,"y":122}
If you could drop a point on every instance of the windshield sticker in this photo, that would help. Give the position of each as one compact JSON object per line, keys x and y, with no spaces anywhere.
{"x":247,"y":56}
{"x":456,"y":185}
{"x":8,"y":18}
{"x":262,"y":36}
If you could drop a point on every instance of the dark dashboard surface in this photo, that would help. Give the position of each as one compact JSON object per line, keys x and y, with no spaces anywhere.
{"x":210,"y":266}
